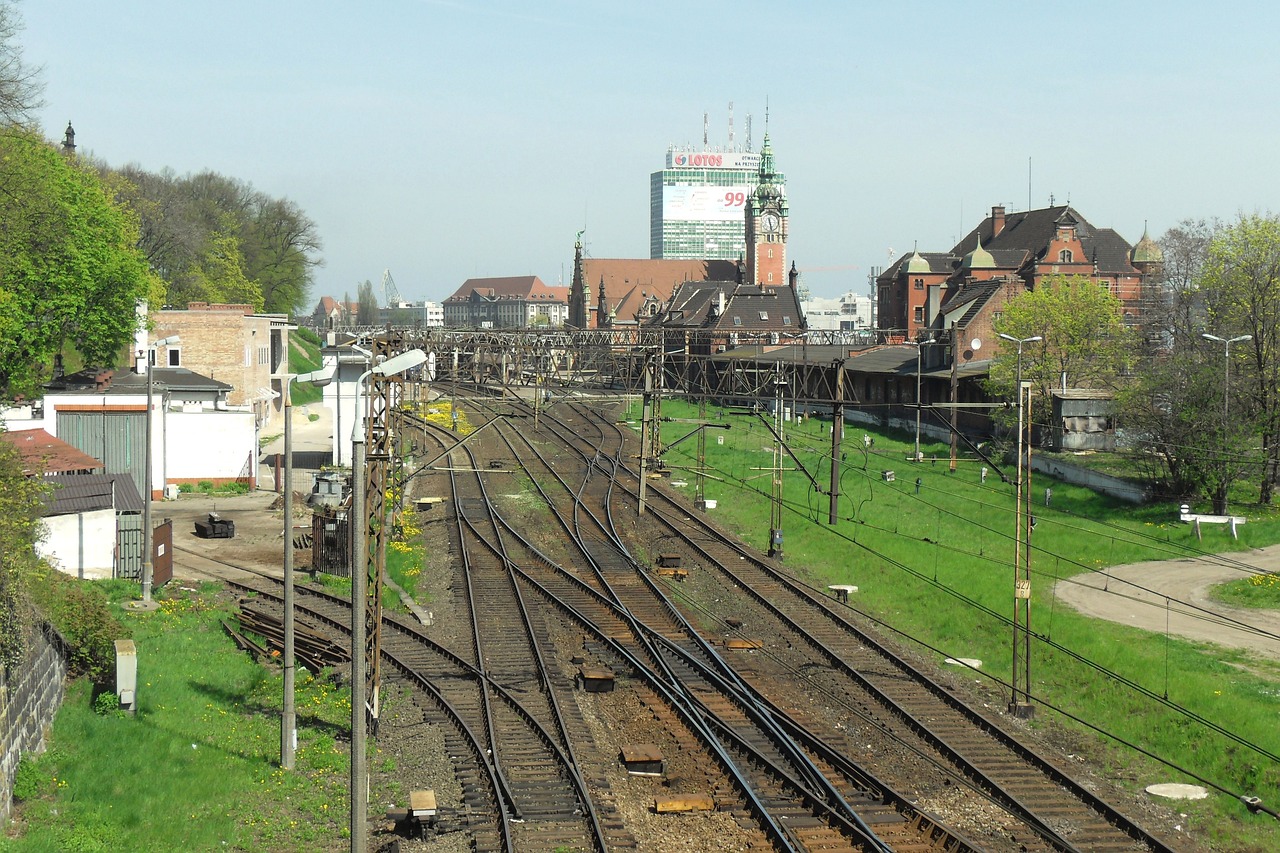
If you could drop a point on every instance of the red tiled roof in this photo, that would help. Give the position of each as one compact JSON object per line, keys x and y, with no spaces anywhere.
{"x":630,"y":283}
{"x":43,"y":454}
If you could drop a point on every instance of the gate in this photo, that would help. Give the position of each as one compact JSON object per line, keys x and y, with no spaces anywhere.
{"x":162,"y":554}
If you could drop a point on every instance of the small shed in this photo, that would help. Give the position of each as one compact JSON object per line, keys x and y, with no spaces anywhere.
{"x":1083,"y":419}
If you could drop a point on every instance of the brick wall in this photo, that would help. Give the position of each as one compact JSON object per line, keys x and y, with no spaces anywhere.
{"x":30,"y":695}
{"x":225,"y":343}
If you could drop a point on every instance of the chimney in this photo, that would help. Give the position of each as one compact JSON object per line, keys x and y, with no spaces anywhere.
{"x":720,"y":310}
{"x":997,"y":219}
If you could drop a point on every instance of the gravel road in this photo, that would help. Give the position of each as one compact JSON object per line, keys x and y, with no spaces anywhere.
{"x":1173,"y":595}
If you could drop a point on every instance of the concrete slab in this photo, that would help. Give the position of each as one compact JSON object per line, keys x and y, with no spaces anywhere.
{"x":1177,"y":791}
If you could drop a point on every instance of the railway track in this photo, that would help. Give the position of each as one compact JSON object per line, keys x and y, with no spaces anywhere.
{"x":773,"y":703}
{"x":1043,"y":793}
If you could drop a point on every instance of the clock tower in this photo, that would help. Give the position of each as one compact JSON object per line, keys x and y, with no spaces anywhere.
{"x":767,"y":225}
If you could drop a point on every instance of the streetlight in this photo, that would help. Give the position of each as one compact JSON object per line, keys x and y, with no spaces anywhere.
{"x":1226,"y":385}
{"x":288,"y":717}
{"x":359,"y":575}
{"x":1021,"y":580}
{"x":148,"y":546}
{"x":337,"y":432}
{"x":919,"y":345}
{"x":1226,"y":368}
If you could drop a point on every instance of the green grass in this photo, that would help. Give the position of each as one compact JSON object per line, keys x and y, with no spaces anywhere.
{"x":304,"y":357}
{"x":938,"y":567}
{"x":1259,"y":591}
{"x":197,"y":767}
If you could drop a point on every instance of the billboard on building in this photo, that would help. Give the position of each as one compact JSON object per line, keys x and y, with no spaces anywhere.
{"x":700,"y":203}
{"x":688,"y":159}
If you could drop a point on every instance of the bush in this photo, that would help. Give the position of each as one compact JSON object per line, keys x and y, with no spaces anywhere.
{"x":106,"y":703}
{"x":80,"y":612}
{"x":26,"y":783}
{"x":308,"y":335}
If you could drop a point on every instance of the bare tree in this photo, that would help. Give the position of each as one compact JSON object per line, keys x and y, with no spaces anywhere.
{"x":20,"y":86}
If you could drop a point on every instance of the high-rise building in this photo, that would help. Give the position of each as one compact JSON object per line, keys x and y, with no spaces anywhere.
{"x":698,"y":203}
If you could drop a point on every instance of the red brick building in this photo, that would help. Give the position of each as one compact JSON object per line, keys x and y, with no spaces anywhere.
{"x":1016,"y":250}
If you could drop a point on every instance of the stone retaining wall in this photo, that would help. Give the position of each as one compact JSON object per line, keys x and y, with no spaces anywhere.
{"x":30,"y":695}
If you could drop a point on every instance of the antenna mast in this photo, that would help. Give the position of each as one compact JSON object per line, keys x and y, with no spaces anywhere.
{"x":731,"y":125}
{"x":748,"y":148}
{"x":704,"y":131}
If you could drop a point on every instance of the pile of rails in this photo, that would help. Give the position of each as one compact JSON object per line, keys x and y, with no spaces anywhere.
{"x":314,"y":646}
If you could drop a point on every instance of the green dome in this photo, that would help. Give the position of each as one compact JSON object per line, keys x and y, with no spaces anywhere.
{"x":917,"y":264}
{"x":978,"y":259}
{"x":1147,"y":251}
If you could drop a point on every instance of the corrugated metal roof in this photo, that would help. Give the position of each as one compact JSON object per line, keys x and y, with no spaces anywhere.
{"x":73,"y":493}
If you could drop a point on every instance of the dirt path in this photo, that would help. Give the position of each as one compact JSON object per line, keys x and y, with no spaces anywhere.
{"x":1136,"y":594}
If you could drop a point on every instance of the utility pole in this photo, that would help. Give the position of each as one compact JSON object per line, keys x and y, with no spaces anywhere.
{"x":646,"y":424}
{"x":775,"y":505}
{"x":955,"y":393}
{"x":700,"y":485}
{"x":1020,"y":698}
{"x":837,"y":433}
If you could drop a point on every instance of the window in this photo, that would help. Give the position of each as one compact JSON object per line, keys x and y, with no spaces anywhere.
{"x":919,"y":314}
{"x":1064,"y":257}
{"x":918,"y":284}
{"x":737,"y":321}
{"x":175,"y":357}
{"x":770,"y":277}
{"x":996,"y":316}
{"x":786,"y":321}
{"x":764,"y":315}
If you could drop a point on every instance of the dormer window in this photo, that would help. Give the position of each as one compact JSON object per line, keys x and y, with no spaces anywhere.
{"x":1064,"y":257}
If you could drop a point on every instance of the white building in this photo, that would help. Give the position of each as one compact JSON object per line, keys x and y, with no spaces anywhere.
{"x":698,"y":203}
{"x":844,"y":313}
{"x":415,"y":315}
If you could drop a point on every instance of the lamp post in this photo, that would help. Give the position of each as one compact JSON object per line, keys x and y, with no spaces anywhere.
{"x":359,"y":577}
{"x":1021,"y":578}
{"x":337,"y":432}
{"x":288,"y":717}
{"x":1226,"y":385}
{"x":1226,"y":367}
{"x":147,"y":569}
{"x":919,"y":345}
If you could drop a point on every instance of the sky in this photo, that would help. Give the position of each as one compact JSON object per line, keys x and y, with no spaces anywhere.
{"x":446,"y":139}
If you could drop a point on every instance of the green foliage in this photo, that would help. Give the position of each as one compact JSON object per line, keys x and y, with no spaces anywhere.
{"x":309,"y":336}
{"x":210,"y":235}
{"x":83,"y":616}
{"x":1083,"y":337}
{"x":304,"y":357}
{"x":20,"y":510}
{"x":29,"y":782}
{"x":106,"y":703}
{"x":70,"y":273}
{"x":366,"y":304}
{"x":218,"y":276}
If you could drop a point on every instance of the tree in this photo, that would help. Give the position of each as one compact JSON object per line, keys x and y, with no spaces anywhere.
{"x":70,"y":272}
{"x":20,"y":86}
{"x":20,"y":511}
{"x":1084,"y":340}
{"x":1173,"y":412}
{"x":1241,"y":284}
{"x":219,"y":275}
{"x":366,"y":304}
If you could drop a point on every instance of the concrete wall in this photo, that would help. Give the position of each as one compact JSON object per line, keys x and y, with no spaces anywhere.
{"x":30,"y":695}
{"x":218,"y":446}
{"x":1104,"y":483}
{"x":81,"y":544}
